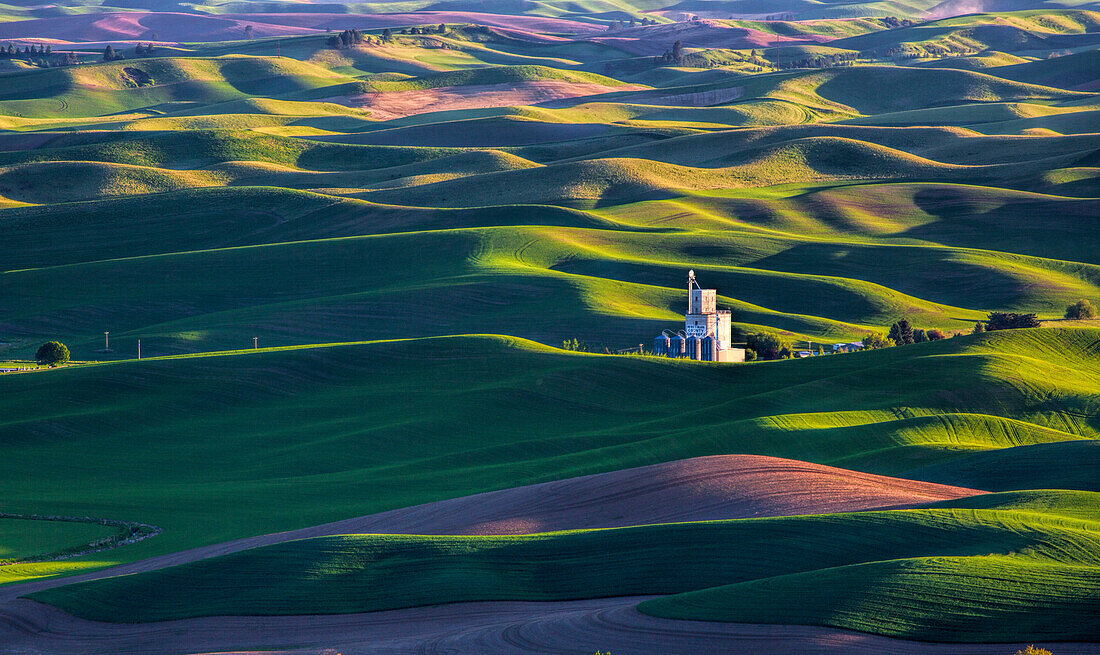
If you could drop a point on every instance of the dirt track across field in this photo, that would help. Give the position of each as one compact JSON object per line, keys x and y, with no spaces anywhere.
{"x":697,"y":489}
{"x":512,"y":628}
{"x":735,"y":486}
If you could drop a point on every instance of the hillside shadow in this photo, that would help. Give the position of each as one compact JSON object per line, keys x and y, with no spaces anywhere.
{"x":1056,"y":228}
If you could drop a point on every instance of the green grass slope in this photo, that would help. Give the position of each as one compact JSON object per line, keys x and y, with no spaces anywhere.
{"x":976,"y":599}
{"x":171,"y":82}
{"x":274,"y":440}
{"x":27,"y":539}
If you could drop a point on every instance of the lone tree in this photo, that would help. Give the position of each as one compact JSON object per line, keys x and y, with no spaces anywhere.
{"x":109,"y":53}
{"x":1081,"y":309}
{"x":387,"y":35}
{"x":901,"y":332}
{"x":52,"y":353}
{"x":979,"y":327}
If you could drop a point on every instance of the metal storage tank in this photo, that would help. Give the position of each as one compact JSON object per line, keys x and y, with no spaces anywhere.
{"x":710,"y":349}
{"x":660,"y":345}
{"x":677,"y":346}
{"x":694,"y":345}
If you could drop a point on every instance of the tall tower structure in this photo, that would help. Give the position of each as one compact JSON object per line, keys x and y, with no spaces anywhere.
{"x":703,"y":319}
{"x":707,"y":330}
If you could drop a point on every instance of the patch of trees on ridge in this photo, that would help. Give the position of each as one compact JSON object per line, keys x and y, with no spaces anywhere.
{"x":622,"y":25}
{"x":344,"y":39}
{"x":41,"y":56}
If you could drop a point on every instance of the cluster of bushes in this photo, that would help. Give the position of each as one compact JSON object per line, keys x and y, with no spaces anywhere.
{"x":1008,"y":321}
{"x":574,"y":345}
{"x":1080,"y":310}
{"x":824,"y":61}
{"x":143,"y":49}
{"x":344,"y":39}
{"x":110,"y":54}
{"x":426,"y":29}
{"x":901,"y":333}
{"x":767,"y":345}
{"x":893,"y":22}
{"x":673,"y":56}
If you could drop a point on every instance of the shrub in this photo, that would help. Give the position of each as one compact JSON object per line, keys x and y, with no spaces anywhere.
{"x":52,"y":353}
{"x":919,"y":336}
{"x":750,"y":355}
{"x":1081,"y":309}
{"x":936,"y":335}
{"x":1032,"y":650}
{"x":979,"y":327}
{"x":876,"y":341}
{"x":769,"y":345}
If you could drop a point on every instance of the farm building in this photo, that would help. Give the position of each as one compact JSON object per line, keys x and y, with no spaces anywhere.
{"x":847,"y":347}
{"x":706,"y":333}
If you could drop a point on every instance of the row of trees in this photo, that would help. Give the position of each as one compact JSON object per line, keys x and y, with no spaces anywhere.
{"x":40,"y":56}
{"x":12,"y":52}
{"x":1007,"y":321}
{"x":426,"y":29}
{"x":622,"y":25}
{"x":901,"y":333}
{"x":824,"y":61}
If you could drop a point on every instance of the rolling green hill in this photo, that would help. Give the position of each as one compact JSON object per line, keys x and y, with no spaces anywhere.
{"x":349,"y":265}
{"x":863,"y":561}
{"x":234,"y":442}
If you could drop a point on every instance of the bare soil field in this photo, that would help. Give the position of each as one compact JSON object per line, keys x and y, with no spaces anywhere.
{"x":515,"y":628}
{"x":697,"y":489}
{"x":651,"y":40}
{"x":396,"y":104}
{"x":732,"y":486}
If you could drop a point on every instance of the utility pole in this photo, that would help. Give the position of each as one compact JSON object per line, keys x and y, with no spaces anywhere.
{"x":106,"y":342}
{"x":777,"y":51}
{"x":139,"y":348}
{"x":255,"y":343}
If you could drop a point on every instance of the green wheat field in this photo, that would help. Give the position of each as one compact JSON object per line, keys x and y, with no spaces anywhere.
{"x":318,"y":261}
